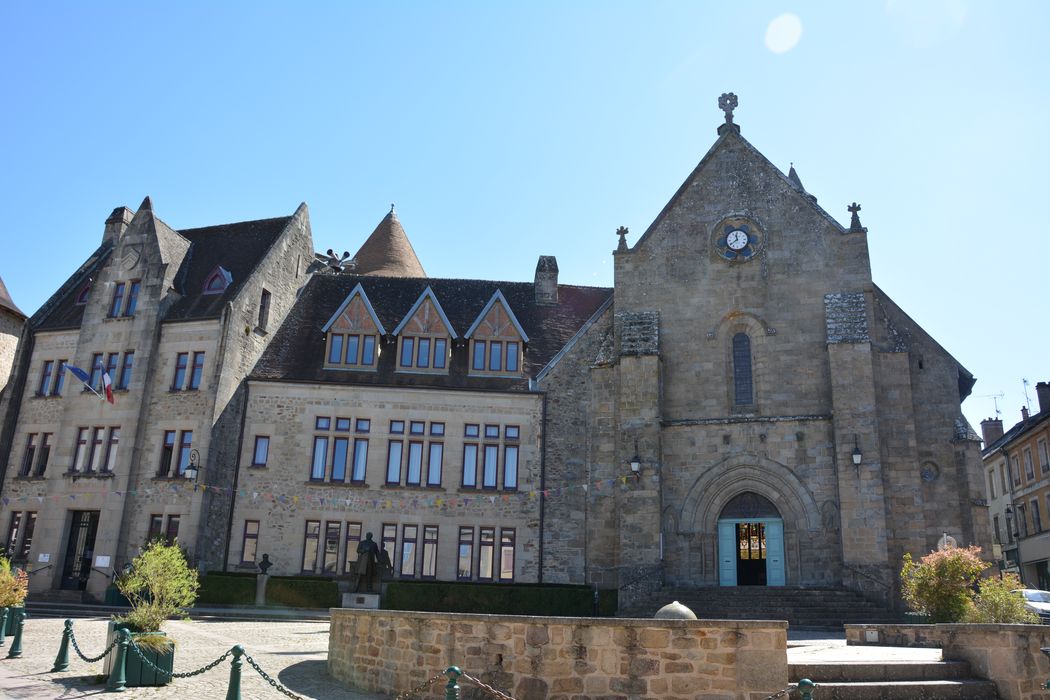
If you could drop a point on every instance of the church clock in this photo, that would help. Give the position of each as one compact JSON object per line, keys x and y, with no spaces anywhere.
{"x":737,"y":239}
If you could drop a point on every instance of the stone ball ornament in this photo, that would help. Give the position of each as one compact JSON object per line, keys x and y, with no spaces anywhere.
{"x":674,"y":611}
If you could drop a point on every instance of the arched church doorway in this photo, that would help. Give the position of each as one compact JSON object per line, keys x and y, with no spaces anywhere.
{"x":750,"y":542}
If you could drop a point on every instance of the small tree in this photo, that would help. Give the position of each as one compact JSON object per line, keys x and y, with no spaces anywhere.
{"x":996,"y":603}
{"x":159,"y":585}
{"x":941,"y":585}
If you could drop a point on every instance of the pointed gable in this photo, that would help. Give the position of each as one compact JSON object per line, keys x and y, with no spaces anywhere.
{"x":497,"y":320}
{"x":355,"y":314}
{"x":426,"y":317}
{"x":146,"y":236}
{"x":388,"y":252}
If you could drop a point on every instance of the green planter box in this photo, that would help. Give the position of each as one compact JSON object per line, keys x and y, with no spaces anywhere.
{"x":136,"y":673}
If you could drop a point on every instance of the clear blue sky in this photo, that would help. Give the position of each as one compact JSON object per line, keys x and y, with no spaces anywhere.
{"x":505,"y":131}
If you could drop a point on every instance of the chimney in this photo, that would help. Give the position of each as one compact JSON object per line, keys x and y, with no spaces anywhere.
{"x":991,"y":430}
{"x":547,"y":280}
{"x":1024,"y":413}
{"x":116,"y":224}
{"x":1042,"y":390}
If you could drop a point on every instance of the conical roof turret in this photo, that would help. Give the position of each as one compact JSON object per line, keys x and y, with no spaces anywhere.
{"x":388,"y":252}
{"x":7,"y":303}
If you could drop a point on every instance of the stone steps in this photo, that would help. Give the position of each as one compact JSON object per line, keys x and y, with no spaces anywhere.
{"x":896,"y":680}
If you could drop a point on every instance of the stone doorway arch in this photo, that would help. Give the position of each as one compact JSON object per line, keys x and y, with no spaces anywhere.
{"x":728,"y":479}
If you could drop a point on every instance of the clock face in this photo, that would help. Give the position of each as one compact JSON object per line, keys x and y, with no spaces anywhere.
{"x":737,"y":240}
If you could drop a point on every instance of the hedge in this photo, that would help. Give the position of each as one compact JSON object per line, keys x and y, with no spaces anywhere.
{"x":498,"y":599}
{"x":219,"y":589}
{"x":287,"y":591}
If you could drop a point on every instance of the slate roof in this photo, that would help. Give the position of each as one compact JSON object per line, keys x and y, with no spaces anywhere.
{"x":1017,"y":431}
{"x":388,"y":252}
{"x":6,"y":302}
{"x":238,"y":247}
{"x":297,"y":351}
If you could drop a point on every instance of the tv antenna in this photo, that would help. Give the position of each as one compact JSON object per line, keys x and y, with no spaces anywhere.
{"x":1027,"y":401}
{"x":995,"y":401}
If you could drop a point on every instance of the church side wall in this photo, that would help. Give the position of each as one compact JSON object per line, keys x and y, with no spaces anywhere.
{"x":10,"y":330}
{"x":580,"y":400}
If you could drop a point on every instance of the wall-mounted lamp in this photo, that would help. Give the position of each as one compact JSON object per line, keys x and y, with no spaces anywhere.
{"x":857,"y":456}
{"x":193,"y":468}
{"x":636,"y":461}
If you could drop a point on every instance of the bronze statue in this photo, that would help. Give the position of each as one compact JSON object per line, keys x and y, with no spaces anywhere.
{"x":367,"y":553}
{"x":265,"y":564}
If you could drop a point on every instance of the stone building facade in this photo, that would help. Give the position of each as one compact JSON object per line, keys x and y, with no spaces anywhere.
{"x":175,"y":320}
{"x":791,"y":425}
{"x":1017,"y":482}
{"x":744,"y":407}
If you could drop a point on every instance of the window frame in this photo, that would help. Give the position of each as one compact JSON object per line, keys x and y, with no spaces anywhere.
{"x":462,"y":542}
{"x":409,"y":556}
{"x":350,"y":564}
{"x":429,"y":552}
{"x":503,"y":538}
{"x":250,"y":536}
{"x":316,"y":537}
{"x":743,"y":381}
{"x":264,"y":441}
{"x":127,"y":367}
{"x":182,"y":362}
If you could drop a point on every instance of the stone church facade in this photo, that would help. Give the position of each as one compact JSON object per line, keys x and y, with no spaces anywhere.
{"x":792,"y":425}
{"x":744,"y":407}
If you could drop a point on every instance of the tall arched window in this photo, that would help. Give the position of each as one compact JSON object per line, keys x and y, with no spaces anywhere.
{"x":743,"y":393}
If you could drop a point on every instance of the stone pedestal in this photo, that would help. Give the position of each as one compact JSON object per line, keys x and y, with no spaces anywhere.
{"x":362,"y":601}
{"x":260,"y":588}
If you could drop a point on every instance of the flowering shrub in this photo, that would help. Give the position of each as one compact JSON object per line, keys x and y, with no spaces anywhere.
{"x":941,"y":585}
{"x":996,"y":603}
{"x":14,"y":584}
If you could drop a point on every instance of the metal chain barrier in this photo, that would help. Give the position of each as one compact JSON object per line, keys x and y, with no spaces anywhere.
{"x":487,"y":688}
{"x":172,"y":674}
{"x":266,"y":677}
{"x":423,"y":686}
{"x":90,"y":660}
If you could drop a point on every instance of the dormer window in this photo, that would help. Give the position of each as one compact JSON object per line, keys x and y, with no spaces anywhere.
{"x":83,"y":295}
{"x":352,"y":334}
{"x":424,"y":337}
{"x":217,"y":282}
{"x":496,"y":340}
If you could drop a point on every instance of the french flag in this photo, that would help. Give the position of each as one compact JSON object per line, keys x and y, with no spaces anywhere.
{"x":107,"y":384}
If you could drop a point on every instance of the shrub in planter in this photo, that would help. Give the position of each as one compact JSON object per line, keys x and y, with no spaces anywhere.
{"x":941,"y":585}
{"x":14,"y":585}
{"x":160,"y":584}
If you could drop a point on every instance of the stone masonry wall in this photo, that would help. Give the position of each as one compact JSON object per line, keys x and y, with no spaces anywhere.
{"x":552,"y":658}
{"x":1006,"y":654}
{"x":10,"y":330}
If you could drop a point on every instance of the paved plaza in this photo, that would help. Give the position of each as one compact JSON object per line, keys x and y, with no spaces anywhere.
{"x":293,"y":653}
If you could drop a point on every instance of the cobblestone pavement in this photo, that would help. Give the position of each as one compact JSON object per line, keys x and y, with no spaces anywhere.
{"x":293,"y":653}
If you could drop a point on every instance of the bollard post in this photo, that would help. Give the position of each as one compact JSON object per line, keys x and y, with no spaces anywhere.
{"x":16,"y":643}
{"x":805,"y":688}
{"x":234,"y":691}
{"x":452,"y":688}
{"x":117,"y":678}
{"x":3,"y":626}
{"x":62,"y":660}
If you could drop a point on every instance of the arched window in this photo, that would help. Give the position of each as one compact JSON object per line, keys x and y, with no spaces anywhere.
{"x":217,"y":281}
{"x":743,"y":391}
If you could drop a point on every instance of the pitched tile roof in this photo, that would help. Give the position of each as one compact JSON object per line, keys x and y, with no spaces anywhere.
{"x":297,"y":351}
{"x":388,"y":252}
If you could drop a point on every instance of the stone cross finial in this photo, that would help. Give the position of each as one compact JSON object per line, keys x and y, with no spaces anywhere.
{"x":727,"y":103}
{"x":622,"y":233}
{"x":854,"y":223}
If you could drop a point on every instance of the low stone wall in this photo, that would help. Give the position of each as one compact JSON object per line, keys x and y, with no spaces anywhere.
{"x":558,"y":658}
{"x":1006,"y":654}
